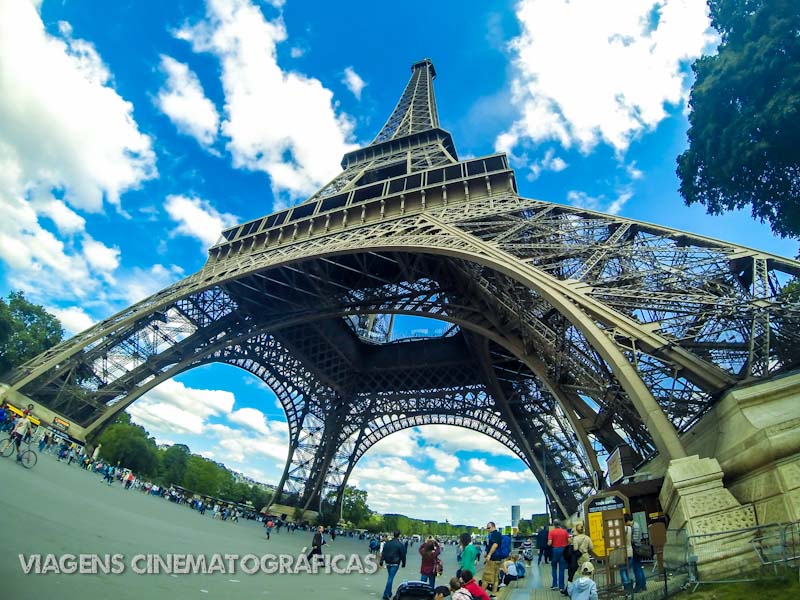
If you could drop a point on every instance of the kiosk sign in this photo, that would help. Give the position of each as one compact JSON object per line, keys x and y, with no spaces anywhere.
{"x":604,"y":521}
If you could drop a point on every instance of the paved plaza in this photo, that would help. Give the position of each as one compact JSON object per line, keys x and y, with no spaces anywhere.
{"x":56,"y":509}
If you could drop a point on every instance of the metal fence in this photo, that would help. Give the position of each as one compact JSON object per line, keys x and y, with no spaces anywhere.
{"x":688,"y":561}
{"x":741,"y":555}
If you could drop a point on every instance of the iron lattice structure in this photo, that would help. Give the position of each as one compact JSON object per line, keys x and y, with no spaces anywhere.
{"x":570,"y":331}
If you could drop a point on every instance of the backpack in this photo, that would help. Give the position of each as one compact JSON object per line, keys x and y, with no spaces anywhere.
{"x":504,"y":549}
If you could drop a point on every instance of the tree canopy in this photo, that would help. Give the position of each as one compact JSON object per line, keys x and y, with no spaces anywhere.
{"x":745,"y":115}
{"x":26,"y":330}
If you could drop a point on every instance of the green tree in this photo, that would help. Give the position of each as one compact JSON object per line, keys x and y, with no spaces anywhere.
{"x":745,"y":115}
{"x":173,"y":463}
{"x":26,"y":330}
{"x":129,"y":446}
{"x":354,"y":506}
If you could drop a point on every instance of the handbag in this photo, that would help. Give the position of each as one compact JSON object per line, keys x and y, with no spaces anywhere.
{"x":642,"y":551}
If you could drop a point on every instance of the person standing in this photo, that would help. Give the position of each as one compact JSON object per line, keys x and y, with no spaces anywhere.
{"x":317,"y":543}
{"x":429,"y":552}
{"x":557,"y":539}
{"x":469,"y":554}
{"x":491,"y":565}
{"x":633,"y":536}
{"x":581,"y":546}
{"x":541,"y":545}
{"x":393,"y":555}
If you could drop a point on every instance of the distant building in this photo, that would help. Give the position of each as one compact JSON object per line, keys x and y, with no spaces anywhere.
{"x":514,"y":515}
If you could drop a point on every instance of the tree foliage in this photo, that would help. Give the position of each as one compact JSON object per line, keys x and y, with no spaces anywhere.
{"x":745,"y":115}
{"x":26,"y":330}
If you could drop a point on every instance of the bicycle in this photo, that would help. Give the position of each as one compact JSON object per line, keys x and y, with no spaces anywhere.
{"x":28,"y":457}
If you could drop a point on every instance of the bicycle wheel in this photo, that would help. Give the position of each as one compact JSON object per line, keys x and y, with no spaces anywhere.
{"x":29,"y":459}
{"x":7,"y":447}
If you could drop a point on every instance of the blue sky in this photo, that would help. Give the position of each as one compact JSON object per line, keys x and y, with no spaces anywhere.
{"x":130,"y":136}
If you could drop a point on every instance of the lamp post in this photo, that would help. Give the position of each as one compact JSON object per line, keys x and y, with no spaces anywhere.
{"x":544,"y":477}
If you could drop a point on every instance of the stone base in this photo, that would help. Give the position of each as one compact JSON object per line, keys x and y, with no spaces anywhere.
{"x":702,"y":515}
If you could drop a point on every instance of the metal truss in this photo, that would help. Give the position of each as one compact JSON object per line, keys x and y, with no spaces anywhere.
{"x":569,"y":330}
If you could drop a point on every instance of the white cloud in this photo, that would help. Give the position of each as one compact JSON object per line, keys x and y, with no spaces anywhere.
{"x":182,"y":99}
{"x":173,"y":407}
{"x":74,"y":319}
{"x":138,"y":283}
{"x":549,"y":162}
{"x":353,"y":82}
{"x":62,"y":123}
{"x":279,"y":122}
{"x":99,"y":255}
{"x":600,"y":203}
{"x":403,"y":443}
{"x":251,"y":418}
{"x":64,"y":218}
{"x":455,"y":439}
{"x":68,"y":142}
{"x":591,"y":71}
{"x":198,"y":219}
{"x":445,"y":462}
{"x":488,"y":473}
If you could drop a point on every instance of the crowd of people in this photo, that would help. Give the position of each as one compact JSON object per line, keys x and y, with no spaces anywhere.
{"x":569,"y":553}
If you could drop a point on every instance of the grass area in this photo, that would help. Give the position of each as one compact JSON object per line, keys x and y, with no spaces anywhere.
{"x":763,"y":589}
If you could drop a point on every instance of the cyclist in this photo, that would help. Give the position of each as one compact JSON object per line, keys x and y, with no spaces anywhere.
{"x":21,"y":430}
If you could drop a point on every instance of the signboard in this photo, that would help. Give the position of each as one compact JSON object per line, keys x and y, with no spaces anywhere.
{"x":604,"y":521}
{"x":60,"y":423}
{"x":614,"y":464}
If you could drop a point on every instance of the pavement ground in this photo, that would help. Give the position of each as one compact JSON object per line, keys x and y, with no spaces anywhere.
{"x":59,"y":509}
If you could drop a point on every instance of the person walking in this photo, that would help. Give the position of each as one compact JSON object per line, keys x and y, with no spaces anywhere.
{"x":317,"y":543}
{"x":557,"y":539}
{"x":393,"y":555}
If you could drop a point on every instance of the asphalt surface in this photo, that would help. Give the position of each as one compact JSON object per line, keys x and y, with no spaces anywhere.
{"x":59,"y":509}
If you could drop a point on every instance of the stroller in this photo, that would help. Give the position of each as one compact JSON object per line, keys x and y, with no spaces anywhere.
{"x":414,"y":590}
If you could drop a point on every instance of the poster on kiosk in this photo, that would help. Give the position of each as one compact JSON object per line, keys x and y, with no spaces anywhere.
{"x":605,"y":525}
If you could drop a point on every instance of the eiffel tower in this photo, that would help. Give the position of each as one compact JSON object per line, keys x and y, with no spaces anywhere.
{"x":565,"y":332}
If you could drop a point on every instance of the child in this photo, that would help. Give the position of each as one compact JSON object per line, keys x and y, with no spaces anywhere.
{"x":584,"y":588}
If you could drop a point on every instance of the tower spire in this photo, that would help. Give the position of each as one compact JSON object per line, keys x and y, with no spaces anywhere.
{"x":416,"y":110}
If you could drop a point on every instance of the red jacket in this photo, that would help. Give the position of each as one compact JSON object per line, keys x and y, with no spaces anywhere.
{"x":477,"y":591}
{"x":428,"y":566}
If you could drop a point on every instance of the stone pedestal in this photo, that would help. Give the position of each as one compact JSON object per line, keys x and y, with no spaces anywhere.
{"x":703,"y":514}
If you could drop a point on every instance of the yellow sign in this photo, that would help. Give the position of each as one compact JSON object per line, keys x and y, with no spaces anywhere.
{"x":60,"y":423}
{"x":596,"y":533}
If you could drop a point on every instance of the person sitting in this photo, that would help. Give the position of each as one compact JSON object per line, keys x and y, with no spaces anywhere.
{"x":583,"y":588}
{"x":508,"y":571}
{"x":457,"y":592}
{"x":469,"y":584}
{"x":441,"y":592}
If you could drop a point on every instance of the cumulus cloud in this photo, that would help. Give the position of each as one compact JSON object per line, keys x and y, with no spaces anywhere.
{"x":198,"y":219}
{"x":68,"y":142}
{"x":63,"y":124}
{"x":611,"y":206}
{"x":592,"y":71}
{"x":279,"y":122}
{"x":73,"y":319}
{"x":353,"y":82}
{"x":454,"y":439}
{"x":183,"y":100}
